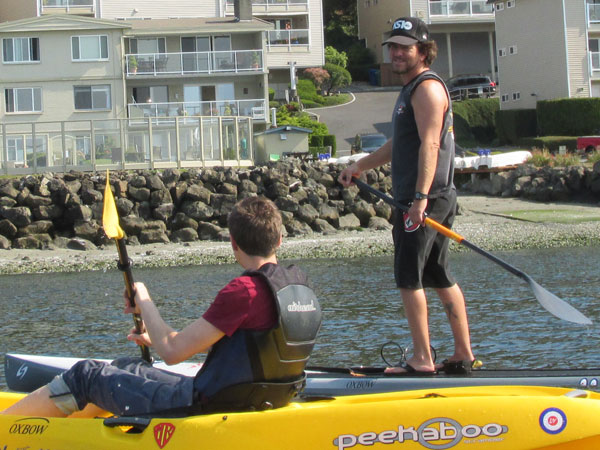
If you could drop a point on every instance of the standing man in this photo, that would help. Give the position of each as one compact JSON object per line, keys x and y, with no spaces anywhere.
{"x":422,"y":156}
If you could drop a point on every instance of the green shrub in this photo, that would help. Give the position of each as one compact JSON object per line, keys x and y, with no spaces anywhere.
{"x":569,"y":116}
{"x":543,"y":158}
{"x":513,"y":124}
{"x":551,"y":143}
{"x":329,"y":141}
{"x":339,"y":77}
{"x":475,"y":120}
{"x":593,"y":157}
{"x":271,"y":94}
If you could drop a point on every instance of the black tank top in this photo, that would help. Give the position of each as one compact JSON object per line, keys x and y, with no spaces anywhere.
{"x":406,"y":143}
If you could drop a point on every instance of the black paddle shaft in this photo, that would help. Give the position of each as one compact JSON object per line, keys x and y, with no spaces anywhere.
{"x":124,"y":266}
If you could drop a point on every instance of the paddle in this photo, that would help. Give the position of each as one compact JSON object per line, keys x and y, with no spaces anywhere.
{"x":110,"y":223}
{"x":551,"y":302}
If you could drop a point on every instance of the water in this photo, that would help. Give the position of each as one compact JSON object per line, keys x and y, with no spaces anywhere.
{"x":80,"y":314}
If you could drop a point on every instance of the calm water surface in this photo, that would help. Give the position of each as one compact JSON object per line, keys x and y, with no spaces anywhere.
{"x":80,"y":314}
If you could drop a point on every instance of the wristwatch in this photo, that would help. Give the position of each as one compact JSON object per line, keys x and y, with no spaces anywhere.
{"x":421,"y":196}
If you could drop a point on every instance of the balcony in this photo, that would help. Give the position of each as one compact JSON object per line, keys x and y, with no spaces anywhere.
{"x":451,"y":8}
{"x":80,"y":7}
{"x":165,"y":112}
{"x":272,"y":6}
{"x":593,"y":13}
{"x":288,"y":38}
{"x":154,"y":64}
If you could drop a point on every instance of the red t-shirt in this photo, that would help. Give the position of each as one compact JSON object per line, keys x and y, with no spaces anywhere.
{"x":246,"y":302}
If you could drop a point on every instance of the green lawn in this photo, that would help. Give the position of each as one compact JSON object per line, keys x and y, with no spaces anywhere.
{"x":555,"y":215}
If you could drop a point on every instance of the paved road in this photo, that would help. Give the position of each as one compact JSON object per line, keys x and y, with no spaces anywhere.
{"x":370,"y":112}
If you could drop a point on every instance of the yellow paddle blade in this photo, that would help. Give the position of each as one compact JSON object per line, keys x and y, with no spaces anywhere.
{"x":110,"y":217}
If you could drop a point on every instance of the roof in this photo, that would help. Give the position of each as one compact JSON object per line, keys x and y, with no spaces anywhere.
{"x":286,"y":128}
{"x":195,"y":25}
{"x":59,"y":22}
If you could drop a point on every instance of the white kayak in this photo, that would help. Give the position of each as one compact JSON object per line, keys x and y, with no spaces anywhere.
{"x":25,"y":373}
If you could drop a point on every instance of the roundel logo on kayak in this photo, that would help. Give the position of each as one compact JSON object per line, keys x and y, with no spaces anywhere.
{"x":553,"y":420}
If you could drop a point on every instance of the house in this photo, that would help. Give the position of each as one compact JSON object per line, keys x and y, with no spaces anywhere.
{"x":164,"y":84}
{"x":545,"y":56}
{"x":463,"y":31}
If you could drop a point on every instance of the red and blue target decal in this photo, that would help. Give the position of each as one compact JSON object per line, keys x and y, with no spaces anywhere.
{"x":553,"y":420}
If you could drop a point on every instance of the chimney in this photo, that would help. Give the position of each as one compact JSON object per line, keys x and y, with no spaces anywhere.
{"x":242,"y":10}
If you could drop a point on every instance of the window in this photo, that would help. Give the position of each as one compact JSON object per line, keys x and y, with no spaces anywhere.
{"x":512,"y":50}
{"x":89,"y":48}
{"x":516,"y":96}
{"x":502,"y":52}
{"x":510,"y":4}
{"x":17,"y":50}
{"x":148,"y":45}
{"x":499,"y":6}
{"x":23,"y":100}
{"x":505,"y":97}
{"x":92,"y":97}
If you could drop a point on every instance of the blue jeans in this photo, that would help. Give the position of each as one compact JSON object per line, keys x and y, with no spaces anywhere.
{"x":128,"y":387}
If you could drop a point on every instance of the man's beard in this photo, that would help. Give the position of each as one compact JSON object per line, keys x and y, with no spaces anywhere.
{"x":410,"y":65}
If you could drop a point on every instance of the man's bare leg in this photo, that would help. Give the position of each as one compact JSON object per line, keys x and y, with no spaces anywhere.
{"x":454,"y":304}
{"x":415,"y":308}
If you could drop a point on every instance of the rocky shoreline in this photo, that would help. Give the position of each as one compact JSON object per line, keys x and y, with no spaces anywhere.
{"x":52,"y":222}
{"x":482,"y":220}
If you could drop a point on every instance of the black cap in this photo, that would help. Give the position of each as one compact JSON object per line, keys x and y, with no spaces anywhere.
{"x":408,"y":31}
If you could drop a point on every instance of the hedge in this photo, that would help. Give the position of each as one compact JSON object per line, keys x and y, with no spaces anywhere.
{"x":569,"y":117}
{"x":514,"y":124}
{"x":552,"y":143}
{"x":475,"y":121}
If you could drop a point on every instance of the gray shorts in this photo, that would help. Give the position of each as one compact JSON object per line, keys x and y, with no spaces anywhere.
{"x":127,"y":387}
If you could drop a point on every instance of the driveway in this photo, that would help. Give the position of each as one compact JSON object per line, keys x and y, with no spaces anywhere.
{"x":370,"y":112}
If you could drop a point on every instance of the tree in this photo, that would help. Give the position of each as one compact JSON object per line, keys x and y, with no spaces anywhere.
{"x":317,"y":75}
{"x":332,"y":56}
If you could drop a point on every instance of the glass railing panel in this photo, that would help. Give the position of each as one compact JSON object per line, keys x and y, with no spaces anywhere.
{"x":594,"y":13}
{"x":595,"y":58}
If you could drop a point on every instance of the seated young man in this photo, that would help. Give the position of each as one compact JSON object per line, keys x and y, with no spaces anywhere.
{"x":261,"y":327}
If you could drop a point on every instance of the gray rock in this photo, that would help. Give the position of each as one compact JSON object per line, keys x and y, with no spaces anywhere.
{"x":20,"y":216}
{"x":153,"y":236}
{"x":208,"y":231}
{"x":379,"y":223}
{"x":8,"y":229}
{"x":297,"y":228}
{"x":80,"y":244}
{"x":307,"y":213}
{"x":4,"y":243}
{"x":349,"y":221}
{"x":182,"y":221}
{"x":184,"y":235}
{"x":197,"y":210}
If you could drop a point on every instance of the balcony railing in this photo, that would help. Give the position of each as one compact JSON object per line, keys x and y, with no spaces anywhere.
{"x":594,"y":13}
{"x":184,"y":63}
{"x":595,"y":60}
{"x":255,"y":108}
{"x":288,"y":37}
{"x":459,"y":7}
{"x":229,"y":3}
{"x":93,"y":145}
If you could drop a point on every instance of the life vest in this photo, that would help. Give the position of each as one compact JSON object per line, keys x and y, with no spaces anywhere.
{"x":270,"y":363}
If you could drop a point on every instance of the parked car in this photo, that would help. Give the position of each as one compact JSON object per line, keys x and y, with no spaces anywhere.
{"x":471,"y":86}
{"x":368,"y":143}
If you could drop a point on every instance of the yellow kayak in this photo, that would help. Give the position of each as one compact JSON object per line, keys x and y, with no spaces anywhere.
{"x":481,"y":417}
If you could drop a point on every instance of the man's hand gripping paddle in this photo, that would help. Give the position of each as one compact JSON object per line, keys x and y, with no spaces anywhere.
{"x":110,"y":223}
{"x":548,"y":300}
